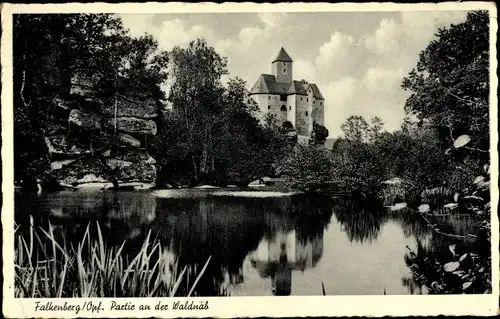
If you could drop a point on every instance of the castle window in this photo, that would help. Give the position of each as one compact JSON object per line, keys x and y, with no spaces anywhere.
{"x":307,"y":113}
{"x":283,"y":108}
{"x":284,"y":70}
{"x":320,"y":103}
{"x":301,"y":98}
{"x":269,"y":107}
{"x":283,"y":97}
{"x":307,"y":100}
{"x":269,"y":97}
{"x":290,"y":107}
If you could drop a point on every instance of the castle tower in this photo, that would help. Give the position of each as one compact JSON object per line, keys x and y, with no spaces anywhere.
{"x":282,"y":67}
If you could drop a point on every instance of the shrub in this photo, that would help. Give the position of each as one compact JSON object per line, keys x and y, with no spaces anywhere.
{"x":308,"y":169}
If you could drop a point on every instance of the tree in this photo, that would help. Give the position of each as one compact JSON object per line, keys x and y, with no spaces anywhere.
{"x":355,"y":129}
{"x":450,"y":85}
{"x":195,"y":95}
{"x":375,"y":129}
{"x":307,"y":168}
{"x":238,"y":152}
{"x":319,"y":134}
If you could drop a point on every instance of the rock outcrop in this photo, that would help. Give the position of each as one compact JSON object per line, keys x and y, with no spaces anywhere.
{"x":84,"y":121}
{"x":133,"y":125}
{"x":126,"y":140}
{"x":142,"y":108}
{"x":84,"y":171}
{"x":85,"y":147}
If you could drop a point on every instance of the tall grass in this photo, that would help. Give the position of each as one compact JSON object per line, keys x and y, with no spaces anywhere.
{"x":437,"y":197}
{"x":46,"y":267}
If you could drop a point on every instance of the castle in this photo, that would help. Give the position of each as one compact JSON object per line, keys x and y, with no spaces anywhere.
{"x":299,"y":102}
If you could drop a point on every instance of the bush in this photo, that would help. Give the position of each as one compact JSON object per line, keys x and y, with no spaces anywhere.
{"x":307,"y":168}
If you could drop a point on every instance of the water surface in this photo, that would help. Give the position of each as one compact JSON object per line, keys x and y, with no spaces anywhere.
{"x":260,"y":243}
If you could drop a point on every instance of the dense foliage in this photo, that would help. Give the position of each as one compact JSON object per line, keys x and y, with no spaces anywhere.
{"x":450,"y":85}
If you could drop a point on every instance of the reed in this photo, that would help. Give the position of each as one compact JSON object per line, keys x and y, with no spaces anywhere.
{"x":437,"y":197}
{"x":46,"y":267}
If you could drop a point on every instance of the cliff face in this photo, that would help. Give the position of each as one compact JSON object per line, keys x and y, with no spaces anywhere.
{"x":100,"y":141}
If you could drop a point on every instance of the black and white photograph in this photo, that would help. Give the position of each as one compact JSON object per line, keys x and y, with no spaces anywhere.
{"x":249,"y":153}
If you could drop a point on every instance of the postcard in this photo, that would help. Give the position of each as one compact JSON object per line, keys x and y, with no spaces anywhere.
{"x":243,"y":159}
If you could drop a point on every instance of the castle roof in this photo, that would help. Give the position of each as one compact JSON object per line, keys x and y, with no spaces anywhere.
{"x":316,"y":92}
{"x":282,"y":56}
{"x":267,"y":84}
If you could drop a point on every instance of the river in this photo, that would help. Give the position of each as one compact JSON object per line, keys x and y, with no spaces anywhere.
{"x":260,"y":243}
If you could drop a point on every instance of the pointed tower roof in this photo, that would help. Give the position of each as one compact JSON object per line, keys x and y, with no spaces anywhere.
{"x":282,"y":56}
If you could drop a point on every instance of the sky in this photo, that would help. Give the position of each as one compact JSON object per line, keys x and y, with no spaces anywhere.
{"x":358,"y":59}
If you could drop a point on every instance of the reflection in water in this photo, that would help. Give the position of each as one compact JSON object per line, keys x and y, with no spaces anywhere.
{"x":278,"y":256}
{"x":258,"y":245}
{"x":361,"y":221}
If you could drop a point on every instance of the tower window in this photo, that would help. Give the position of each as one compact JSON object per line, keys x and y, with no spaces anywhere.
{"x":301,"y":98}
{"x":284,"y":70}
{"x":269,"y":107}
{"x":307,"y":113}
{"x":269,"y":97}
{"x":307,"y":100}
{"x":290,"y":107}
{"x":320,"y":103}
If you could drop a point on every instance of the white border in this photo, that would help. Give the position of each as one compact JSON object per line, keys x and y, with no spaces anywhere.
{"x":246,"y":306}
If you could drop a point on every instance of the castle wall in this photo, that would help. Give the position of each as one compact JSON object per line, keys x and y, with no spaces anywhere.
{"x":303,"y":122}
{"x":273,"y":105}
{"x":292,"y":106}
{"x":268,"y":103}
{"x":318,"y":112}
{"x":261,"y":100}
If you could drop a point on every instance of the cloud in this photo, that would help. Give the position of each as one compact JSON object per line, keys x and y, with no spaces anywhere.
{"x":334,"y":56}
{"x":359,"y":69}
{"x":387,"y":39}
{"x":337,"y":95}
{"x":303,"y":69}
{"x":363,"y":76}
{"x":169,"y":33}
{"x":272,"y":20}
{"x":178,"y":32}
{"x":381,"y":80}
